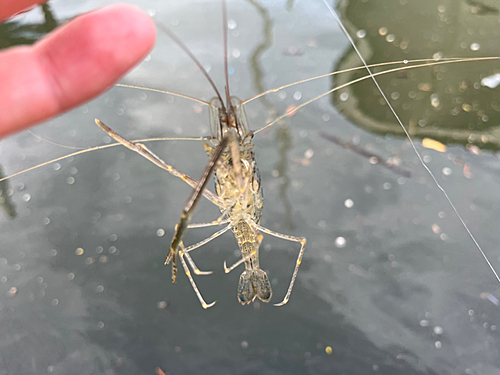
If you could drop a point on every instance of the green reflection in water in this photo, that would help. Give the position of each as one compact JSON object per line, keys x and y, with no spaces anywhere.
{"x":449,"y":103}
{"x":15,"y":33}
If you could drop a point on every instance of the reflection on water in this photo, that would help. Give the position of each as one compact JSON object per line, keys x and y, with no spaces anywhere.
{"x":449,"y":103}
{"x":13,"y":33}
{"x":389,"y":284}
{"x":283,"y":136}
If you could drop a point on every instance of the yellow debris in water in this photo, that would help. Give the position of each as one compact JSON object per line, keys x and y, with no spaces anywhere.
{"x":328,"y":350}
{"x":433,"y":144}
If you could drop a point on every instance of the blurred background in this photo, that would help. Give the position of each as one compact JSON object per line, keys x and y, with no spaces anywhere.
{"x":390,"y":282}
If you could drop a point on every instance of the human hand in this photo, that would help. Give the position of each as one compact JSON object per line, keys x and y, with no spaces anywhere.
{"x":73,"y":64}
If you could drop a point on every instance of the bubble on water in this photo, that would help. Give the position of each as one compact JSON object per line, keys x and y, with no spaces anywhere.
{"x":70,"y":180}
{"x":244,"y":345}
{"x":53,"y":252}
{"x":387,"y":186}
{"x":348,"y":203}
{"x":99,"y":289}
{"x":297,"y":95}
{"x":325,"y":117}
{"x":17,"y":267}
{"x":46,"y":221}
{"x":12,"y":291}
{"x":236,"y":53}
{"x":344,"y":96}
{"x":112,"y":249}
{"x":56,"y":166}
{"x":113,"y":237}
{"x":424,"y":323}
{"x":442,"y":214}
{"x":161,"y":305}
{"x":340,"y":242}
{"x":427,"y":159}
{"x":160,"y":232}
{"x":71,"y":276}
{"x":103,"y":259}
{"x":361,"y":33}
{"x":438,"y":344}
{"x":55,"y":302}
{"x":26,"y":197}
{"x":99,"y":249}
{"x":79,"y":251}
{"x":232,"y":24}
{"x":447,"y":171}
{"x":405,"y":61}
{"x":382,"y":31}
{"x":100,"y":325}
{"x":395,"y":95}
{"x":390,"y":38}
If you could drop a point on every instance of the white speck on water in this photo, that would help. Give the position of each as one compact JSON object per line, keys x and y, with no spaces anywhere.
{"x":297,"y":95}
{"x":340,"y":242}
{"x":438,"y":344}
{"x":395,"y":95}
{"x":236,"y":53}
{"x":160,"y":232}
{"x":390,"y":38}
{"x":309,"y":154}
{"x":475,"y":46}
{"x":491,"y":81}
{"x":447,"y":171}
{"x":361,"y":33}
{"x":344,"y":96}
{"x":438,"y":330}
{"x":424,"y":323}
{"x":232,"y":24}
{"x":405,"y":61}
{"x":70,"y":180}
{"x":427,"y":158}
{"x":348,"y":203}
{"x":387,"y":186}
{"x":442,"y":214}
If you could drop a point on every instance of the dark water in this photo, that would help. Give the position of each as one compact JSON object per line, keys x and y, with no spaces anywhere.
{"x":406,"y":293}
